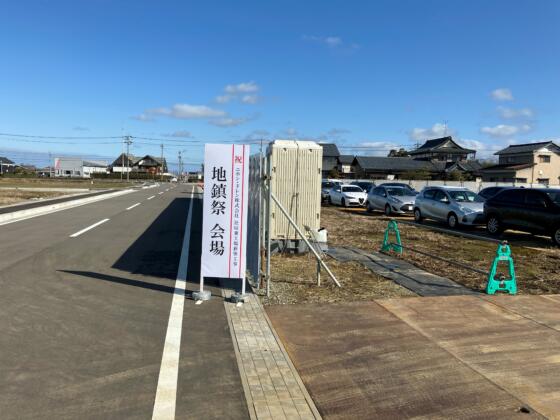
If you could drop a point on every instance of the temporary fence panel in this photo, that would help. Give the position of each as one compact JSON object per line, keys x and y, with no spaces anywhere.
{"x":295,"y":169}
{"x":254,"y":218}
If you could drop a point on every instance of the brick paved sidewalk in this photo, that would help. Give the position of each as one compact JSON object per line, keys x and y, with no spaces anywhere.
{"x":272,"y":385}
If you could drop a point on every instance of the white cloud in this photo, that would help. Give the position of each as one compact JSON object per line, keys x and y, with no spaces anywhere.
{"x":504,"y":130}
{"x":330,"y":41}
{"x":502,"y":94}
{"x":180,"y":133}
{"x":228,"y":122}
{"x":437,"y":130}
{"x":250,"y":99}
{"x":246,"y":92}
{"x":511,"y":113}
{"x":186,"y":112}
{"x":483,"y":150}
{"x":247,"y":87}
{"x":143,"y":117}
{"x":375,"y":148}
{"x":224,"y":99}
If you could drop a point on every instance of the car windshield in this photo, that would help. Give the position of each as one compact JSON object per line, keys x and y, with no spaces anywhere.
{"x":464,"y":196}
{"x":554,"y":196}
{"x":328,"y":184}
{"x":352,"y":188}
{"x":398,"y":191}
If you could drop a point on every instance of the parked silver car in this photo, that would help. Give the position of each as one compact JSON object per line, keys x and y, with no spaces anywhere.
{"x":454,"y":205}
{"x":391,"y":200}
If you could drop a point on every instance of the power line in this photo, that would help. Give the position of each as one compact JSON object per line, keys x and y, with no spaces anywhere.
{"x":60,"y":137}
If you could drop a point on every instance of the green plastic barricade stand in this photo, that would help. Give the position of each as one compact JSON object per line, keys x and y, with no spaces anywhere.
{"x":396,"y":246}
{"x":502,"y":284}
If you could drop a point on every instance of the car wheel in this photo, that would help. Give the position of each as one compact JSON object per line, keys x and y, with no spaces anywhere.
{"x":452,"y":221}
{"x":417,"y":216}
{"x":329,"y":200}
{"x":369,"y":209}
{"x":343,"y":202}
{"x":493,"y":225}
{"x":388,"y":210}
{"x":556,"y":236}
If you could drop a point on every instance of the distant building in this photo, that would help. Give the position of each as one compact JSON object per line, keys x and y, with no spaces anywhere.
{"x":374,"y":167}
{"x":526,"y":163}
{"x":442,"y":149}
{"x":330,"y":158}
{"x":151,"y":164}
{"x":344,"y":166}
{"x":124,"y":163}
{"x":67,"y":167}
{"x":6,"y":165}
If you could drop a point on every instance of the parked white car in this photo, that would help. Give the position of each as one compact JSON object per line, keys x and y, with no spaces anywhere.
{"x":347,"y":195}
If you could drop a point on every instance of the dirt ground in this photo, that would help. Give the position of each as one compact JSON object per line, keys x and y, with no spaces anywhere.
{"x":64,"y":183}
{"x":294,"y":281}
{"x":8,"y":197}
{"x":537,"y":269}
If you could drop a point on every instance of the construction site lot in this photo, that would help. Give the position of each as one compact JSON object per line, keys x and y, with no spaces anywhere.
{"x":14,"y":196}
{"x":537,"y":260}
{"x":294,"y":280}
{"x":66,"y":183}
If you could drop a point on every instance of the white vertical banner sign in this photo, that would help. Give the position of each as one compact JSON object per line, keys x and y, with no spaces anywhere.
{"x":224,"y":217}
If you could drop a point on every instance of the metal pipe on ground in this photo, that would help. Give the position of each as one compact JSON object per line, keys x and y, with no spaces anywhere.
{"x":298,"y":230}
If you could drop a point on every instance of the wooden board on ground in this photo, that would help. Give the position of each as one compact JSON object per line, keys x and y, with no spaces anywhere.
{"x":360,"y":361}
{"x":507,"y":346}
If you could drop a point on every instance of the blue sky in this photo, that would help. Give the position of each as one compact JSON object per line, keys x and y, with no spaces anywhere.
{"x":377,"y":74}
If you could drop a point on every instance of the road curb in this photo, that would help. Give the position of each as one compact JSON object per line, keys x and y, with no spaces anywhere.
{"x":16,"y":216}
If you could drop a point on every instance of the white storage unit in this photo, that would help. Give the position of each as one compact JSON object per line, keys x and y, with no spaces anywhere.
{"x":295,"y":169}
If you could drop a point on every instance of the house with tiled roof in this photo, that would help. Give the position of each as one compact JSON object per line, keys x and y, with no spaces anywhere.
{"x":330,"y":158}
{"x":536,"y":163}
{"x":443,"y":149}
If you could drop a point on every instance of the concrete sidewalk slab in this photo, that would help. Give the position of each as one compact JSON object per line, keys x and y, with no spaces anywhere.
{"x":360,"y":361}
{"x":511,"y":350}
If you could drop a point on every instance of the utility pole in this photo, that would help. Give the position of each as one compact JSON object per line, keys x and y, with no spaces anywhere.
{"x":180,"y":167}
{"x":128,"y":142}
{"x":50,"y":165}
{"x":122,"y":159}
{"x":161,"y":176}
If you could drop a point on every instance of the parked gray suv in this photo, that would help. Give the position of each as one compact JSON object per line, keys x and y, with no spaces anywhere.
{"x":453,"y":205}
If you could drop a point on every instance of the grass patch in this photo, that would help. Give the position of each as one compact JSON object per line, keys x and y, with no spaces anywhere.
{"x":8,"y":197}
{"x":537,"y":267}
{"x":294,"y":281}
{"x":92,"y":184}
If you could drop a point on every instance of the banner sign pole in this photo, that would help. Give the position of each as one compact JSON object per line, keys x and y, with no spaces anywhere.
{"x":224,"y":215}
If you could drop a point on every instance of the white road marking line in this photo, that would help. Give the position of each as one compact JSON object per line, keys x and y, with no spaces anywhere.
{"x":160,"y":192}
{"x":153,"y":196}
{"x":134,"y":205}
{"x":89,"y":228}
{"x":166,"y":394}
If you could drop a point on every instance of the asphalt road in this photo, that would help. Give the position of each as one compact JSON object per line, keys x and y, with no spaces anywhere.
{"x":84,"y":313}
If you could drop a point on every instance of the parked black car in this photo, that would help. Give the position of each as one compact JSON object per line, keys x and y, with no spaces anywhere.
{"x":490,"y":192}
{"x":534,"y":210}
{"x":364,"y":185}
{"x":407,"y":187}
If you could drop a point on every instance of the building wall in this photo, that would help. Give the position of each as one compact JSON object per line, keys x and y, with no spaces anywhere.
{"x":550,"y":170}
{"x":68,"y":168}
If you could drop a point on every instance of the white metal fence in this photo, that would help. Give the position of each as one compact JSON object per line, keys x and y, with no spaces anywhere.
{"x":471,"y":185}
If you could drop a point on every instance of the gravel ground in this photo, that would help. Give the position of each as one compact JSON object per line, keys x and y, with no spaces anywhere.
{"x":294,"y":281}
{"x":537,"y":267}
